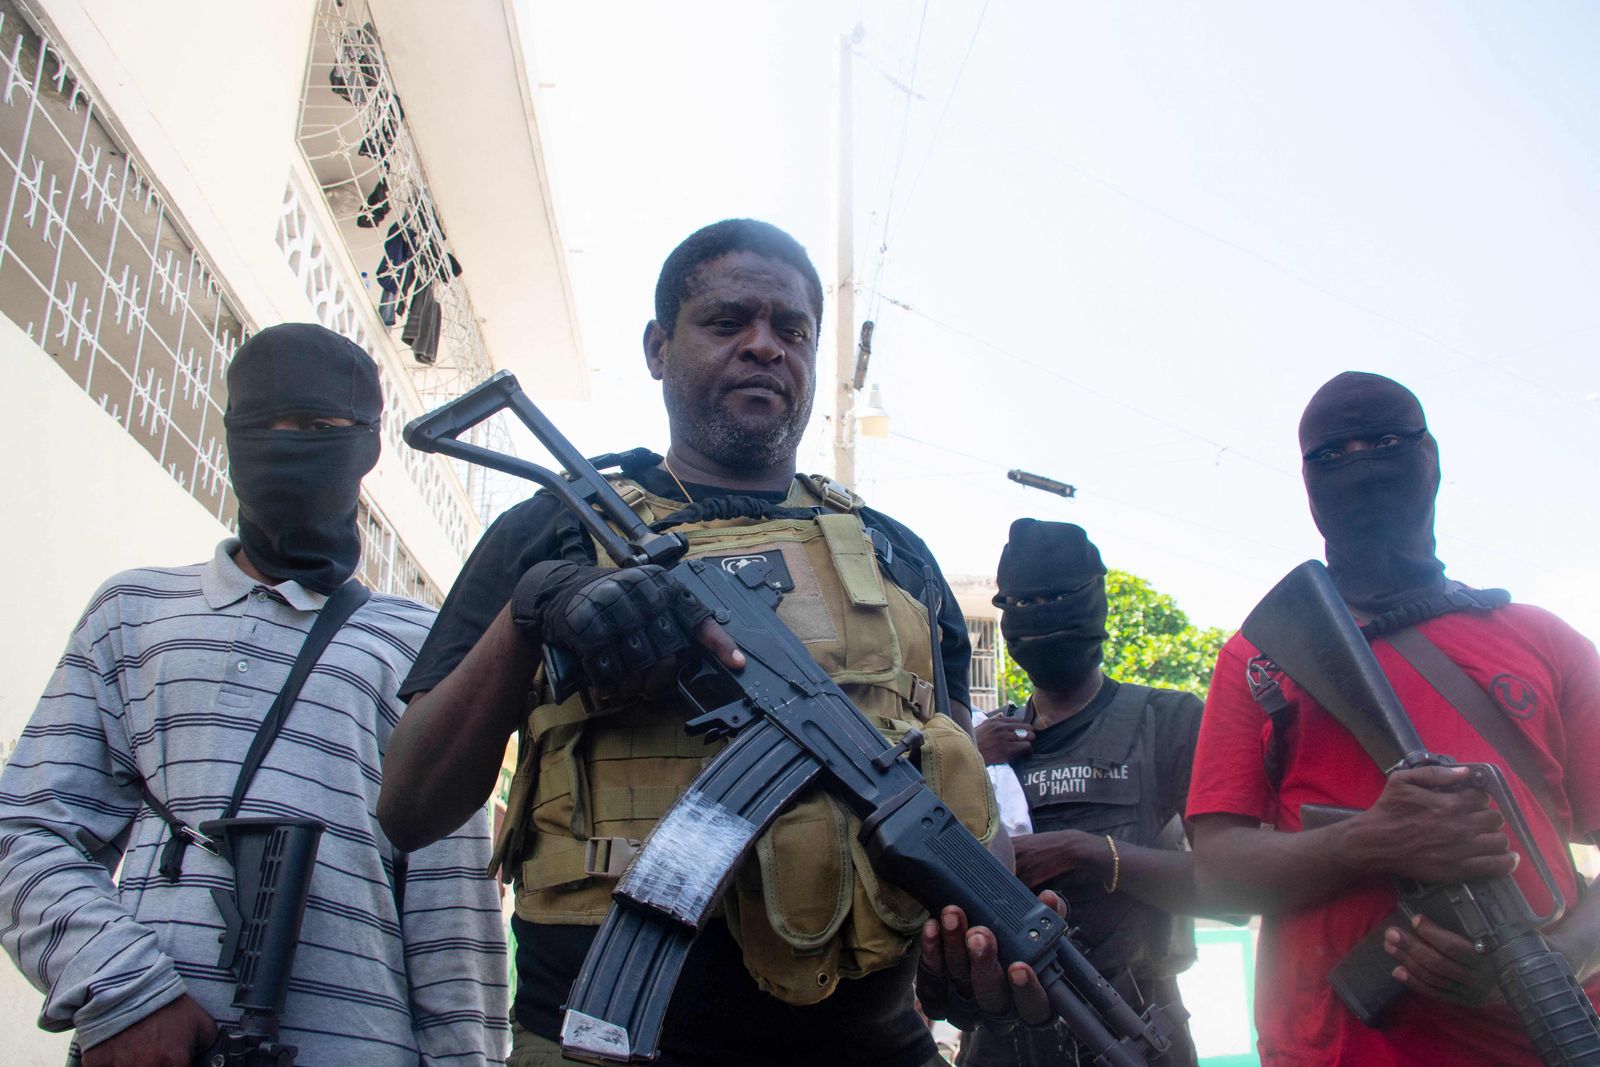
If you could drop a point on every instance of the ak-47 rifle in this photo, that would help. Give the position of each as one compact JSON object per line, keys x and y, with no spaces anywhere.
{"x":791,"y":726}
{"x":272,"y":861}
{"x":1304,"y":628}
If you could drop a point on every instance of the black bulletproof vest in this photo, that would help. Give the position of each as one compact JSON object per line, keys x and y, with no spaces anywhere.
{"x":1106,"y":784}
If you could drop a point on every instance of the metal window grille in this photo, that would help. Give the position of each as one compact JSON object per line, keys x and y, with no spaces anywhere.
{"x":360,"y":149}
{"x":385,"y":563}
{"x":354,"y":135}
{"x":985,"y":679}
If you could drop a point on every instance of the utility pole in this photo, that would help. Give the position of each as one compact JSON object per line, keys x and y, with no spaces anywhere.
{"x":844,"y":289}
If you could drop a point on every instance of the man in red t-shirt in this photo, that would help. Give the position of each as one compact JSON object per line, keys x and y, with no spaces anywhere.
{"x":1371,"y":470}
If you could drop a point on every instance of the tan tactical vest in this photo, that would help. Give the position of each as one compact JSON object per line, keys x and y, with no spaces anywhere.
{"x":807,"y":909}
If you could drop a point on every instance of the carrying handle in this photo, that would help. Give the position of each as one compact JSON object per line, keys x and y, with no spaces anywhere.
{"x":1487,"y":777}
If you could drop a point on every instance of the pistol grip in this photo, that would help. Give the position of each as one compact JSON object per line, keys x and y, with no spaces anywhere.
{"x":563,"y":673}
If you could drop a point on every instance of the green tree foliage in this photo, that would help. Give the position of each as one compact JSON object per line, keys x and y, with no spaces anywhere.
{"x":1152,"y":642}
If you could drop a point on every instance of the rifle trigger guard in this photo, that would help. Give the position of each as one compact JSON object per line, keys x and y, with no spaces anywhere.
{"x":909,"y":745}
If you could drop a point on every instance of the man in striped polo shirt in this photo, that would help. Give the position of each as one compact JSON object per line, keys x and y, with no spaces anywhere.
{"x":164,"y":683}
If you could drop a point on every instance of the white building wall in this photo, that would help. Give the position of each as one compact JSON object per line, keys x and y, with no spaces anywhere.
{"x":208,"y":96}
{"x":83,"y":501}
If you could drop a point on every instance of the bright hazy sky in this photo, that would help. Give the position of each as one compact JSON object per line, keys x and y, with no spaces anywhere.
{"x":1133,"y":240}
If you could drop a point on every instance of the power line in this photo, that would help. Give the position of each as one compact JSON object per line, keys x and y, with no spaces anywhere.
{"x":1295,"y":275}
{"x":1096,"y":494}
{"x":1109,"y":398}
{"x":900,"y":155}
{"x":1211,"y":562}
{"x":1522,"y":349}
{"x":939,"y":126}
{"x":905,"y":126}
{"x":1221,"y":448}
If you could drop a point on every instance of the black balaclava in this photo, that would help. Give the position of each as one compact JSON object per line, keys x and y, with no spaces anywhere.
{"x":1374,"y":507}
{"x":297,"y":489}
{"x":1058,"y":639}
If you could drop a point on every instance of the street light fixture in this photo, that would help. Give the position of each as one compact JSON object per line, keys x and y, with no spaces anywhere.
{"x":873,"y":420}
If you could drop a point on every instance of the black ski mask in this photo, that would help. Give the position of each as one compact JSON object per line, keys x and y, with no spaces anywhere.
{"x":297,"y":489}
{"x":1058,"y":631}
{"x":1374,"y":506}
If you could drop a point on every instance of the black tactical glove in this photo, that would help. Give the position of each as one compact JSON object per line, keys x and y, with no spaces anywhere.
{"x":619,"y":623}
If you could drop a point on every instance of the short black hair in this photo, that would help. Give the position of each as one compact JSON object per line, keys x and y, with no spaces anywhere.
{"x":717,"y":240}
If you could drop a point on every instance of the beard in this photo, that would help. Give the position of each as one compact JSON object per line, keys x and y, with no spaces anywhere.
{"x":743,"y":442}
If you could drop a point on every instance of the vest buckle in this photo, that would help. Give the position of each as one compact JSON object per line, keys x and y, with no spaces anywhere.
{"x":608,"y":857}
{"x":835,"y":495}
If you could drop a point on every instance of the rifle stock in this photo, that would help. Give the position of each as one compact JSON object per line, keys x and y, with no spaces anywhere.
{"x":792,"y":725}
{"x":272,"y":861}
{"x":1302,"y":624}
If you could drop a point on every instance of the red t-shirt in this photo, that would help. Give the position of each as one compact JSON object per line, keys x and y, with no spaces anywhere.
{"x":1549,"y":680}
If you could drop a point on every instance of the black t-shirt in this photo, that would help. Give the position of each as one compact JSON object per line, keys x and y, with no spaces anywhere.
{"x":1062,"y":736}
{"x":718,"y":1014}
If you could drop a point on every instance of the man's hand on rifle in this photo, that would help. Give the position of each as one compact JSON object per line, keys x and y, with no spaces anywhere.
{"x":1429,"y":825}
{"x":960,"y":978}
{"x":628,"y":627}
{"x":1440,"y":964}
{"x":171,"y":1036}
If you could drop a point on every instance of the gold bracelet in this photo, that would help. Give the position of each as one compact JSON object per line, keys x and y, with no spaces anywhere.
{"x":1116,"y":866}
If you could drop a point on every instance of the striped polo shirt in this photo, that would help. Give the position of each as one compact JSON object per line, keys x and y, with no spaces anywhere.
{"x":166,"y":679}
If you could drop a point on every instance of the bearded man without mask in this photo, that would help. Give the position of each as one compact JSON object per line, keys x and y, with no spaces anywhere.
{"x":716,"y":431}
{"x":737,"y":364}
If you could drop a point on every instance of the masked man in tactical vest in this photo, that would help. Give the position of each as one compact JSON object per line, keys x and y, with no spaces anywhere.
{"x":1104,"y":766}
{"x":1371,"y":470}
{"x":809,"y":961}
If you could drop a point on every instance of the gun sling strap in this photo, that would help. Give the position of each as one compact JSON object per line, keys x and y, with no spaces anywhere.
{"x":338,"y":608}
{"x":1480,"y":711}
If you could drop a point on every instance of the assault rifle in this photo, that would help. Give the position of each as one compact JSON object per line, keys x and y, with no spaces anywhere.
{"x":1306,"y":631}
{"x":791,"y":726}
{"x":272,"y":861}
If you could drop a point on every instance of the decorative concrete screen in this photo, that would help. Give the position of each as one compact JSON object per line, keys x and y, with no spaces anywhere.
{"x":101,"y":275}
